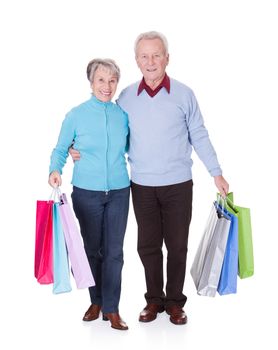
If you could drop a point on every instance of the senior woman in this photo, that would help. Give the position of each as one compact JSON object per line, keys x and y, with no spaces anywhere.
{"x":100,"y":197}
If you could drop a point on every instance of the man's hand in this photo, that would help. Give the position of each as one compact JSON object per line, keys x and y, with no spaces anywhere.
{"x":222,"y":185}
{"x":55,"y":179}
{"x":75,"y":155}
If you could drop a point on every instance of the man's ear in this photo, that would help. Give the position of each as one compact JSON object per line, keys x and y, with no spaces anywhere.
{"x":136,"y":59}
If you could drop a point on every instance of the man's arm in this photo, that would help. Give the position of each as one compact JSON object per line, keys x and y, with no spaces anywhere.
{"x":199,"y":139}
{"x":75,"y":155}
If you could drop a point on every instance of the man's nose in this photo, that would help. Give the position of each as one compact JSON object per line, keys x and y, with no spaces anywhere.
{"x":150,"y":60}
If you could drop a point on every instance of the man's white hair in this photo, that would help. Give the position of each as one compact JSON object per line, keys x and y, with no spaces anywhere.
{"x":149,"y":36}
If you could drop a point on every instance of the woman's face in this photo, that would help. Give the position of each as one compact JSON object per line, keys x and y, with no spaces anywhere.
{"x":104,"y":84}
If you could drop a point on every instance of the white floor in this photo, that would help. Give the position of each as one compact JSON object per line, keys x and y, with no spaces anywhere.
{"x":31,"y":316}
{"x":38,"y":319}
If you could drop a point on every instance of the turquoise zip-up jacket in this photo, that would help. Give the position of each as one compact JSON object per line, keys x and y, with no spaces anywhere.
{"x":100,"y":133}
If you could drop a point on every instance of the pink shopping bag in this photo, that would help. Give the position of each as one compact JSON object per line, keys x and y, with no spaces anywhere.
{"x":43,"y":264}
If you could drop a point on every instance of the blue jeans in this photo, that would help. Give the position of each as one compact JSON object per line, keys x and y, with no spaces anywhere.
{"x":102,"y":218}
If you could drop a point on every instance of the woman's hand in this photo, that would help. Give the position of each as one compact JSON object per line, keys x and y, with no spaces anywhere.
{"x":55,"y":179}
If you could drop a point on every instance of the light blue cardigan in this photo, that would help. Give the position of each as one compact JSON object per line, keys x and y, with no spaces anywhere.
{"x":100,"y":133}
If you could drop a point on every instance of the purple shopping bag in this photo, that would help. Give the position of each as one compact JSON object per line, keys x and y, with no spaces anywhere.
{"x":79,"y":262}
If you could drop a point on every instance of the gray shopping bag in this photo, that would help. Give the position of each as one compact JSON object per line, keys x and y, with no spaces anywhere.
{"x":207,"y":265}
{"x":198,"y":262}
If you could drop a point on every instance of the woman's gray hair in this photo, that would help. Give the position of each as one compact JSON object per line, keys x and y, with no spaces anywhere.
{"x":149,"y":36}
{"x":105,"y":62}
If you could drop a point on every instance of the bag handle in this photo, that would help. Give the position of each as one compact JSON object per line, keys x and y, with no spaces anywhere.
{"x":220,"y":206}
{"x":56,"y":192}
{"x":228,"y":202}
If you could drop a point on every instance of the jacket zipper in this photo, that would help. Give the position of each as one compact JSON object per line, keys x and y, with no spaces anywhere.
{"x":107,"y":146}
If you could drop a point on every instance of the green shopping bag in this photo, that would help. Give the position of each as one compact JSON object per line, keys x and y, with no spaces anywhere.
{"x":245,"y":243}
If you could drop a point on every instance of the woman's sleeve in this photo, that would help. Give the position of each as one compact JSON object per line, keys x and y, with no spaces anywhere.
{"x":60,"y":152}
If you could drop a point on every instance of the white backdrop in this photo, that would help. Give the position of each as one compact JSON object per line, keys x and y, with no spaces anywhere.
{"x":226,"y":51}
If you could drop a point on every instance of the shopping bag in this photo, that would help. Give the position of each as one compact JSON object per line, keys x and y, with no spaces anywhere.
{"x":43,"y":264}
{"x":61,"y":282}
{"x":213,"y":255}
{"x":228,"y":278}
{"x":79,"y":262}
{"x":245,"y":241}
{"x":198,"y":262}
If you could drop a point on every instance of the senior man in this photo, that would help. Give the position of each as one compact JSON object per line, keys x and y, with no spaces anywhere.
{"x":165,"y":124}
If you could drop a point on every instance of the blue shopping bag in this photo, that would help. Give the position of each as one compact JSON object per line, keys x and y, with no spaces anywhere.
{"x":228,"y":278}
{"x":61,"y":283}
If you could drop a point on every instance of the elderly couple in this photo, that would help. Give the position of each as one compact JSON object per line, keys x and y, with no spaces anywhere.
{"x":156,"y":121}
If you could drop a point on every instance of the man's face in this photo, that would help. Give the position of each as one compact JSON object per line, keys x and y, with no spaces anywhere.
{"x":152,"y":59}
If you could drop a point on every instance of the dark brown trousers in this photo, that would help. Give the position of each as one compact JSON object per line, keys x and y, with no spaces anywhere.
{"x":163,"y":214}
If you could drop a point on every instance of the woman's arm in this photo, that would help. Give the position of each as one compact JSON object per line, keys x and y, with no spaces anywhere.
{"x":60,"y":152}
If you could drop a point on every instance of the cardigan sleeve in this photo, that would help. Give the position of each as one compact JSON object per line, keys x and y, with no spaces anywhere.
{"x":60,"y":152}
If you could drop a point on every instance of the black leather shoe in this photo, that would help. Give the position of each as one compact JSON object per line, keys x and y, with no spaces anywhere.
{"x":149,"y":313}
